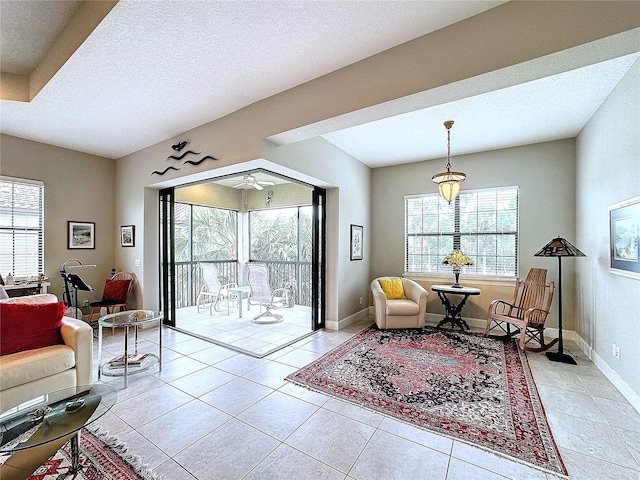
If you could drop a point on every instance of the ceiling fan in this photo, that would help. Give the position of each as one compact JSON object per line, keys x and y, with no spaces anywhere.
{"x":250,"y":181}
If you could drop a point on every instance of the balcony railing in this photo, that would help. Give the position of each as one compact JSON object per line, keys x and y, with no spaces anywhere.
{"x":189,"y":280}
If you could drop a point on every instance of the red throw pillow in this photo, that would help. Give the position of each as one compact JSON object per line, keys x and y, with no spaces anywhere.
{"x":29,"y":326}
{"x":116,"y":291}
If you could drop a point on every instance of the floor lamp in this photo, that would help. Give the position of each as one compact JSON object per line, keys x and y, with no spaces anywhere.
{"x":559,"y":247}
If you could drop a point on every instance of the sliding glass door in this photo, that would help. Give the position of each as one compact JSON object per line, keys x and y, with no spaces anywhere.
{"x":290,"y":239}
{"x":167,"y":256}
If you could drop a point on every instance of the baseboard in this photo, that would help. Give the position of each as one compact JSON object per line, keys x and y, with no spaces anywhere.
{"x":627,"y":392}
{"x":340,"y":324}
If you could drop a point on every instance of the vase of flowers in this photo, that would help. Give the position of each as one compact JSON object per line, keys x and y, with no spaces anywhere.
{"x":457,"y":259}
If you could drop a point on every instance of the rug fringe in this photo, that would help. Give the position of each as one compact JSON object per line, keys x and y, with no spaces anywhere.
{"x":122,"y":450}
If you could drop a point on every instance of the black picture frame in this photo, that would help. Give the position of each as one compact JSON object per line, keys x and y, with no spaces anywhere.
{"x":81,"y":235}
{"x":624,"y":238}
{"x":356,"y":242}
{"x":128,"y":236}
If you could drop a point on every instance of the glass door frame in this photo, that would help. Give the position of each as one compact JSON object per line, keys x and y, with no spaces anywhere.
{"x":318,"y":255}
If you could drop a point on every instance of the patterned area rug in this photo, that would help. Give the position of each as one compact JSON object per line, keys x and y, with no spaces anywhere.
{"x":464,"y":386}
{"x":102,"y":458}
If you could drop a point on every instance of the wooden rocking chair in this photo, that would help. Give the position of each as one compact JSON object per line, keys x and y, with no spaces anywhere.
{"x":527,"y":310}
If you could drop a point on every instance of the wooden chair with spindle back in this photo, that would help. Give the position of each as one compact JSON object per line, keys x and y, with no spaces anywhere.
{"x":527,"y":311}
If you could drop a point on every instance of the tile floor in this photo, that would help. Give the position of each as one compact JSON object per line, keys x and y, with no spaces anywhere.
{"x":240,"y":333}
{"x":213,"y":413}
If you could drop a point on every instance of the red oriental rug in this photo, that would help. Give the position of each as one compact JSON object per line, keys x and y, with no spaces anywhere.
{"x":464,"y":386}
{"x":102,"y":457}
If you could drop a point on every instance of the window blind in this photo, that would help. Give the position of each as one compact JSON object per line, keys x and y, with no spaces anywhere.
{"x":481,"y":223}
{"x":21,"y":226}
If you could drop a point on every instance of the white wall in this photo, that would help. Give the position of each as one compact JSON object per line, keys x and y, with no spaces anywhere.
{"x":78,"y":187}
{"x":608,"y":172}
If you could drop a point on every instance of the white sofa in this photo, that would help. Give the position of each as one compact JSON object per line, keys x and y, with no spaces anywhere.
{"x":408,"y":312}
{"x":27,"y":374}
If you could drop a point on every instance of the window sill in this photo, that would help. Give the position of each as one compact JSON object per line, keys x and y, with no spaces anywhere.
{"x":475,"y":279}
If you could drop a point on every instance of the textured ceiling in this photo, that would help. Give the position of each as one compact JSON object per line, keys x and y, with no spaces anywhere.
{"x":27,"y":31}
{"x":152,"y":70}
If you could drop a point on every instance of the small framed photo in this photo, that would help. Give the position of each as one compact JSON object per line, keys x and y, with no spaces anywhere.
{"x":128,"y":236}
{"x":356,"y":242}
{"x":81,"y":235}
{"x":624,"y":236}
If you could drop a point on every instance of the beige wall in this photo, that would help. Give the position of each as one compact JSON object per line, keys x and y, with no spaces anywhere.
{"x":210,"y":194}
{"x":284,"y":195}
{"x":83,"y":187}
{"x":349,"y":202}
{"x":545,"y":176}
{"x":608,"y":172}
{"x":78,"y":187}
{"x":367,"y":87}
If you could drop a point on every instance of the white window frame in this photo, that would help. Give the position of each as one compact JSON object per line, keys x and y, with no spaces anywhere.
{"x":15,"y":261}
{"x":444,"y":231}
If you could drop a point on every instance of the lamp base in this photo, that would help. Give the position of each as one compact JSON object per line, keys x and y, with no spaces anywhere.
{"x":560,"y":357}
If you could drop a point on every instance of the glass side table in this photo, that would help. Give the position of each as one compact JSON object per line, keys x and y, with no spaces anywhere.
{"x":34,"y":430}
{"x":129,"y":364}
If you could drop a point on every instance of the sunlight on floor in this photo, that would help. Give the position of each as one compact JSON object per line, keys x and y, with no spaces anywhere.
{"x":229,"y":330}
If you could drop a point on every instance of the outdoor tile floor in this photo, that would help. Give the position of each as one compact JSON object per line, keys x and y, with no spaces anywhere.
{"x":213,"y":413}
{"x":241,"y":333}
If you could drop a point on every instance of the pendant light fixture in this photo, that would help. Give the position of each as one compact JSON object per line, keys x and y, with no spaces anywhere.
{"x":449,"y":182}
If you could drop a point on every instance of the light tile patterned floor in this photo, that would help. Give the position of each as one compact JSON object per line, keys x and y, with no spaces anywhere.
{"x":216,"y":414}
{"x":241,"y":333}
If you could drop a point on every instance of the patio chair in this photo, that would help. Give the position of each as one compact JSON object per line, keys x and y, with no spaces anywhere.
{"x":263,"y":295}
{"x":527,"y":311}
{"x":213,"y":292}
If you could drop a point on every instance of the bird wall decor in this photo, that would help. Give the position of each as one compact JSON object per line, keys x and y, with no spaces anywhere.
{"x":180,"y":157}
{"x":179,"y":146}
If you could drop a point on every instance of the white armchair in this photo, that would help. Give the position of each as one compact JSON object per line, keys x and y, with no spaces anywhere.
{"x":407,"y":312}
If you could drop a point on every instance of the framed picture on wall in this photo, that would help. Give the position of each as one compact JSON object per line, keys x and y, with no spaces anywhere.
{"x":128,"y":236}
{"x":624,"y":236}
{"x":81,"y":235}
{"x":356,"y":242}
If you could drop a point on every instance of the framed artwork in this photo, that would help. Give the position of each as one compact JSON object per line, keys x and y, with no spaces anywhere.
{"x":128,"y":236}
{"x":81,"y":235}
{"x":624,"y":236}
{"x":356,"y":242}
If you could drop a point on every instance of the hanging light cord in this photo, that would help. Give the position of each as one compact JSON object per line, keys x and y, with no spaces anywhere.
{"x":448,"y":125}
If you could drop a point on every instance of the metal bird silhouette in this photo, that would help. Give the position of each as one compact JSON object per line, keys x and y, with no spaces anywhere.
{"x":173,"y":157}
{"x":196,"y":163}
{"x":157,"y":172}
{"x":179,"y":146}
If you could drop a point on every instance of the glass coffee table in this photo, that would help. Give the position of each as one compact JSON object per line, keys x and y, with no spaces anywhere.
{"x":129,"y":363}
{"x":36,"y":429}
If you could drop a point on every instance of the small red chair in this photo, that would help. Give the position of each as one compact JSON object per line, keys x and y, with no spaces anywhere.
{"x":116,"y":294}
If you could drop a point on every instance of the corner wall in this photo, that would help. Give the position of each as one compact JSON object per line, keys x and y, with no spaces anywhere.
{"x":545,"y":175}
{"x":608,"y":172}
{"x":77,"y":186}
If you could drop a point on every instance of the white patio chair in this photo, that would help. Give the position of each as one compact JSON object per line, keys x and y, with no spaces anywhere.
{"x":263,"y":295}
{"x":213,"y":292}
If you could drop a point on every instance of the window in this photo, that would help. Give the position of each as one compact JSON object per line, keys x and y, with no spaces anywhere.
{"x":21,"y":226}
{"x":282,"y":239}
{"x":203,"y":234}
{"x":481,"y":223}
